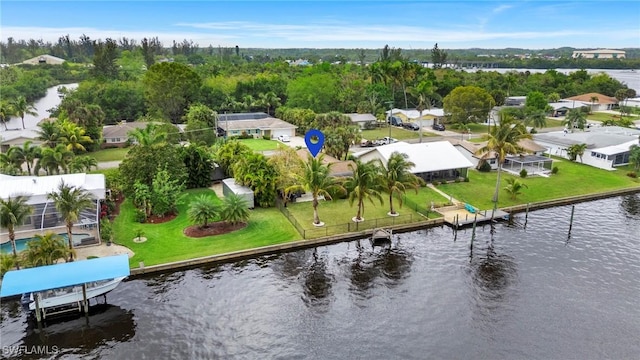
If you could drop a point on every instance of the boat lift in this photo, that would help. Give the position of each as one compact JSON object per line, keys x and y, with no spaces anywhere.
{"x":77,"y":273}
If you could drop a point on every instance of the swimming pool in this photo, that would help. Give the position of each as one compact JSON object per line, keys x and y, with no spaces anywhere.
{"x":21,"y":244}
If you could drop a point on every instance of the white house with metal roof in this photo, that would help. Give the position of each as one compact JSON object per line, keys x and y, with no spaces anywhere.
{"x":434,"y":161}
{"x":607,"y":147}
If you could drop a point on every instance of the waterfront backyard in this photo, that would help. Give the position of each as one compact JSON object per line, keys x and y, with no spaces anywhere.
{"x":167,"y":242}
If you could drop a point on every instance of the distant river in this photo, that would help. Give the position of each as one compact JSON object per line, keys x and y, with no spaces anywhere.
{"x":534,"y":293}
{"x":49,"y":101}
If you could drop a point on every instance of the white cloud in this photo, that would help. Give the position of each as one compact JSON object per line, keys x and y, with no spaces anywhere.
{"x":501,"y":8}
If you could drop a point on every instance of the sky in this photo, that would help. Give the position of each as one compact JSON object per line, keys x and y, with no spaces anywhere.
{"x":334,"y":24}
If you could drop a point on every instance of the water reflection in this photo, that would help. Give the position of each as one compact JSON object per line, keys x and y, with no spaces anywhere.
{"x":631,"y":205}
{"x":390,"y":264}
{"x":79,"y":334}
{"x":317,"y":281}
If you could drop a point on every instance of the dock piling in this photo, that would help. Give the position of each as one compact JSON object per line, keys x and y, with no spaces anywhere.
{"x":526,"y":216}
{"x":573,"y":208}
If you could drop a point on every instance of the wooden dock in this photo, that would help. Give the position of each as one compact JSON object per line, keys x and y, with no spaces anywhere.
{"x":460,"y":215}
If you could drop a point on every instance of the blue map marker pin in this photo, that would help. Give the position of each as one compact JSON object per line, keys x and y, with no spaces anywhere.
{"x":314,"y":139}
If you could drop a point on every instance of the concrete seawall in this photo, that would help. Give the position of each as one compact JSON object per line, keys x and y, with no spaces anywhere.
{"x":275,"y":249}
{"x":328,"y":240}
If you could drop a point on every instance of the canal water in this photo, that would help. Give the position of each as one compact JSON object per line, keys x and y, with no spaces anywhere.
{"x":536,"y":293}
{"x":42,"y":107}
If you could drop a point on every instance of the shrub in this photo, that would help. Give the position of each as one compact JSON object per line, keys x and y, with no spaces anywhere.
{"x":554,"y":170}
{"x":483,"y":166}
{"x":265,"y":137}
{"x":140,"y":216}
{"x":436,"y":183}
{"x":457,"y":180}
{"x":92,"y":257}
{"x":466,"y":179}
{"x":632,"y":174}
{"x":523,"y":173}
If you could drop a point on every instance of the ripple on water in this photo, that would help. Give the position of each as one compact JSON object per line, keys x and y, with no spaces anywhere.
{"x":532,"y":292}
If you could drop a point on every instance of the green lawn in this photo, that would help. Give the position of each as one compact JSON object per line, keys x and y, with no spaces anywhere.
{"x":337,"y":214}
{"x":110,"y":154}
{"x":396,"y":132}
{"x":600,"y":116}
{"x":166,"y":242}
{"x":572,"y":179}
{"x":551,"y":123}
{"x":261,"y":144}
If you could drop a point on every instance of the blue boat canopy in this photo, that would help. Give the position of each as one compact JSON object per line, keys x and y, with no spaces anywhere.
{"x":61,"y":275}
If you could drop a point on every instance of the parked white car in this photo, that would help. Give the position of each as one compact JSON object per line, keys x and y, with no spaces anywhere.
{"x":284,"y":138}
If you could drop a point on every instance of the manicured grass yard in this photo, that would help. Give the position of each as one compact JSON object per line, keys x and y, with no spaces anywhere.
{"x":396,"y":132}
{"x":600,"y":116}
{"x":110,"y":154}
{"x":337,"y":214}
{"x":572,"y":179}
{"x":166,"y":242}
{"x":261,"y":144}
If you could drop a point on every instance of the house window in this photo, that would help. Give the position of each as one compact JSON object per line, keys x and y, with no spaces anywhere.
{"x":593,"y":153}
{"x":492,"y":161}
{"x":117,"y":140}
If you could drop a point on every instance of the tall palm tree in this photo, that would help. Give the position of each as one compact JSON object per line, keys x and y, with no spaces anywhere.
{"x":202,"y":210}
{"x":424,"y":93}
{"x":73,"y":137}
{"x":46,"y":250}
{"x":5,"y":113}
{"x":364,"y":184}
{"x":396,"y":177}
{"x":316,"y":180}
{"x":594,"y":99}
{"x":634,"y":156}
{"x":70,"y":201}
{"x":148,"y":136}
{"x":575,"y":118}
{"x":21,"y":108}
{"x":80,"y":164}
{"x":49,"y":133}
{"x":502,"y":141}
{"x":13,"y":212}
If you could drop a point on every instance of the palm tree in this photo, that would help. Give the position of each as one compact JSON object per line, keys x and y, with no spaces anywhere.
{"x":25,"y":154}
{"x":575,"y":118}
{"x":514,"y":187}
{"x":423,"y":93}
{"x":203,"y":209}
{"x":46,"y":250}
{"x":538,"y":119}
{"x":634,"y":156}
{"x":363,"y":185}
{"x":54,"y":160}
{"x":576,"y":150}
{"x":73,"y":137}
{"x":396,"y":177}
{"x":269,"y":100}
{"x":70,"y":201}
{"x":49,"y":133}
{"x":502,"y":141}
{"x":316,"y":180}
{"x":594,"y":99}
{"x":148,"y":136}
{"x":5,"y":113}
{"x":13,"y":212}
{"x":234,"y":209}
{"x":7,"y":165}
{"x":21,"y":108}
{"x":80,"y":164}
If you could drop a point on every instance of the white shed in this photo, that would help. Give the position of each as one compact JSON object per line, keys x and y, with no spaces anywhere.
{"x":229,"y":186}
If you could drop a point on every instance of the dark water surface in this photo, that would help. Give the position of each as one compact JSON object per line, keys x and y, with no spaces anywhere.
{"x":530,"y":293}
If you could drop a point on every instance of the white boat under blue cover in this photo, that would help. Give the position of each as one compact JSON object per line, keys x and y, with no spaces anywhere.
{"x":44,"y":278}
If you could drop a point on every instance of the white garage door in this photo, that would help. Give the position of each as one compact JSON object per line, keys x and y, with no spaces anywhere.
{"x":277,"y":132}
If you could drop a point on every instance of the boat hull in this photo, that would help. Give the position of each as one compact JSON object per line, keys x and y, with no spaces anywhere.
{"x":73,"y":295}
